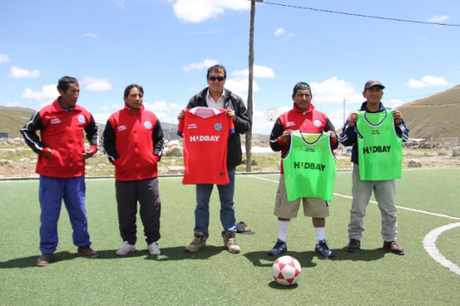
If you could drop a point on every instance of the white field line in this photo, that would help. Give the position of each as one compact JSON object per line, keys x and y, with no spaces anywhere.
{"x":399,"y":207}
{"x":429,"y":242}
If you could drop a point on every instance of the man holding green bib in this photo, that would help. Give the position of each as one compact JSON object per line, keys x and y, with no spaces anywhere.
{"x":316,"y":134}
{"x":376,"y":133}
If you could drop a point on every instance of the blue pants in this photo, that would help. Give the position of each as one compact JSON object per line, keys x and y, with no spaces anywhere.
{"x":227,"y":208}
{"x":51,"y":193}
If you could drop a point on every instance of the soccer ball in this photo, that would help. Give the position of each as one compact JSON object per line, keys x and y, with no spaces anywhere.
{"x":286,"y":270}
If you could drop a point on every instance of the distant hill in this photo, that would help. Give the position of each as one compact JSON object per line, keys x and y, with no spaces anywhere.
{"x":12,"y":119}
{"x":436,"y":116}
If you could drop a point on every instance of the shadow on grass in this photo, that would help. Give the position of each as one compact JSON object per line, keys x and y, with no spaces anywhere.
{"x":178,"y":253}
{"x":262,"y":259}
{"x":30,"y":261}
{"x":361,"y":255}
{"x":174,"y":253}
{"x":275,"y":285}
{"x":258,"y":259}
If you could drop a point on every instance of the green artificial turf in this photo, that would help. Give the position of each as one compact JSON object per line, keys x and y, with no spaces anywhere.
{"x":213,"y":276}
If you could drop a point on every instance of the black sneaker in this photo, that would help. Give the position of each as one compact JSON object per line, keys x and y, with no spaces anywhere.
{"x":280,"y":247}
{"x":353,"y":246}
{"x":323,"y":249}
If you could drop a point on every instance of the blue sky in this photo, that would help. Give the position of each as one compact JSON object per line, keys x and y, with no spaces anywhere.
{"x":167,"y":45}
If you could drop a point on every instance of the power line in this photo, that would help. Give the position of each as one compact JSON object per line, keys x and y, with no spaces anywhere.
{"x":361,"y":15}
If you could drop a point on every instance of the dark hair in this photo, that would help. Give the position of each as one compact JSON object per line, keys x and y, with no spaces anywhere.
{"x":216,"y":68}
{"x":64,"y":82}
{"x":128,"y":89}
{"x":301,"y":86}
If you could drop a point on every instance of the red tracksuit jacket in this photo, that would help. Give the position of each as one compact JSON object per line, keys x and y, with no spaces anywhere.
{"x":62,"y":132}
{"x":134,"y":144}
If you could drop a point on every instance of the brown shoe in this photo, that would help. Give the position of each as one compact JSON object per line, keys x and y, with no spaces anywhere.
{"x":87,"y":252}
{"x":353,"y":246}
{"x":198,"y":243}
{"x":393,"y":247}
{"x":44,"y":260}
{"x":230,"y":243}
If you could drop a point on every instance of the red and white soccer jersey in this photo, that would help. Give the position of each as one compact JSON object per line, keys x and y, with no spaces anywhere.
{"x":205,"y":131}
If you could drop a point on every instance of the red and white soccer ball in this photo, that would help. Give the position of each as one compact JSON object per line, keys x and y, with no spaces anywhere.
{"x":286,"y":270}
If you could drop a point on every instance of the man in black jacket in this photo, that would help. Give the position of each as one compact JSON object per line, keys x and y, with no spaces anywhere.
{"x":216,"y":96}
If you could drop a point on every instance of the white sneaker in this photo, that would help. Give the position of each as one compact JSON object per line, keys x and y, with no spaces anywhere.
{"x":154,"y":249}
{"x":125,"y":249}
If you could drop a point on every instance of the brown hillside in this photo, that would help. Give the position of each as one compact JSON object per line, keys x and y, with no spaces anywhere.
{"x":12,"y":119}
{"x":436,"y":116}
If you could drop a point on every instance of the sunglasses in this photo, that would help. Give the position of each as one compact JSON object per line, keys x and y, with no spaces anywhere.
{"x":219,"y":78}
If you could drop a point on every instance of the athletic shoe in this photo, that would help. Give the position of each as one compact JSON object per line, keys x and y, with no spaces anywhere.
{"x":230,"y":243}
{"x":323,"y":249}
{"x":154,"y":249}
{"x":353,"y":246}
{"x":87,"y":252}
{"x":393,"y":247}
{"x":280,"y":247}
{"x":125,"y":249}
{"x":44,"y":259}
{"x":197,"y":243}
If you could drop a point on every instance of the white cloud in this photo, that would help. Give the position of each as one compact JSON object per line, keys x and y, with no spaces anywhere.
{"x":196,"y":11}
{"x":282,"y":32}
{"x":259,"y":72}
{"x":162,"y":106}
{"x":101,"y":118}
{"x":116,"y":106}
{"x":334,"y":90}
{"x":176,"y":107}
{"x":93,"y":35}
{"x":48,"y":94}
{"x":240,"y":86}
{"x":45,"y":103}
{"x":19,"y":73}
{"x":337,"y":118}
{"x":94,"y":84}
{"x":427,"y":81}
{"x":279,"y":32}
{"x":156,"y":106}
{"x":4,"y":58}
{"x":395,"y":103}
{"x":437,"y":18}
{"x":12,"y":104}
{"x":198,"y":66}
{"x":120,"y":3}
{"x":105,"y":108}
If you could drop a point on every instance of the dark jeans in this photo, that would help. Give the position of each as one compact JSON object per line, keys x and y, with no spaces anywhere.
{"x":227,"y":208}
{"x":128,"y":193}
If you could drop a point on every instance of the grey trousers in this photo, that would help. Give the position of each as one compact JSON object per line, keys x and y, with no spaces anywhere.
{"x":128,"y":193}
{"x":384,"y":192}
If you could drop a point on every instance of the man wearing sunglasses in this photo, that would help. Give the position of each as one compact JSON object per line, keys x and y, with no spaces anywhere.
{"x":218,"y":97}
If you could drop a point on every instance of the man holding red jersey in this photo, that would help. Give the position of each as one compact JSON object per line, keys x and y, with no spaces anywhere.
{"x":216,"y":96}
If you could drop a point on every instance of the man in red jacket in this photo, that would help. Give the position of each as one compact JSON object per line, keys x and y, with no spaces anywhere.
{"x":61,"y":165}
{"x":133,"y":142}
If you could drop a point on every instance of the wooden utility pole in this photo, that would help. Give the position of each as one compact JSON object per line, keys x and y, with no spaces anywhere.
{"x":250,"y":81}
